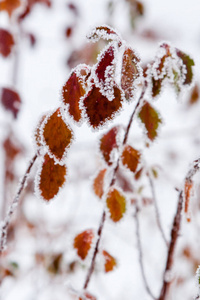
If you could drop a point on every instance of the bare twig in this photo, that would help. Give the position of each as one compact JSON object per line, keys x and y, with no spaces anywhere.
{"x":6,"y":222}
{"x":170,"y":257}
{"x":156,"y":208}
{"x":141,"y":253}
{"x":103,"y":218}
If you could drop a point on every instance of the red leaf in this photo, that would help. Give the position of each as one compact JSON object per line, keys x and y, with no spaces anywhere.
{"x":51,"y":178}
{"x":9,"y":6}
{"x":11,"y":101}
{"x":151,"y":120}
{"x":72,"y":92}
{"x":98,"y":108}
{"x":130,"y":158}
{"x":110,"y":262}
{"x":104,"y":32}
{"x":106,"y":60}
{"x":88,"y":296}
{"x":98,"y":184}
{"x":57,"y":135}
{"x":108,"y":142}
{"x":6,"y":42}
{"x":116,"y":204}
{"x":83,"y":242}
{"x":130,"y":72}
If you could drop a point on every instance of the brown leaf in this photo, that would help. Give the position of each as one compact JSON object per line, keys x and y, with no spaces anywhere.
{"x":88,"y":296}
{"x":9,"y":6}
{"x":51,"y":178}
{"x":98,"y":108}
{"x":116,"y":204}
{"x":130,"y":158}
{"x":11,"y":101}
{"x":151,"y":120}
{"x":37,"y":133}
{"x":130,"y":72}
{"x":6,"y":42}
{"x":83,"y":242}
{"x":57,"y":135}
{"x":194,"y":96}
{"x":108,"y":142}
{"x":104,"y":32}
{"x":98,"y":185}
{"x":110,"y":262}
{"x":72,"y":91}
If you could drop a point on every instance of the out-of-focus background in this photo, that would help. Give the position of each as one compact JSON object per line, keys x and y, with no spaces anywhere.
{"x":40,"y":262}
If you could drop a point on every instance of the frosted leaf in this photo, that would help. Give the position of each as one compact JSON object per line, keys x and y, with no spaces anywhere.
{"x":37,"y":133}
{"x":83,"y":242}
{"x":98,"y":109}
{"x":116,"y":204}
{"x":103,"y":32}
{"x":98,"y":184}
{"x":131,"y":71}
{"x":57,"y":135}
{"x":130,"y":158}
{"x":50,"y":178}
{"x":110,"y":262}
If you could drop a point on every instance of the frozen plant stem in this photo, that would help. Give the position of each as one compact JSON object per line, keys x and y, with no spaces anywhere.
{"x":141,"y":253}
{"x":13,"y":205}
{"x":103,"y":218}
{"x":156,"y":209}
{"x":170,"y":257}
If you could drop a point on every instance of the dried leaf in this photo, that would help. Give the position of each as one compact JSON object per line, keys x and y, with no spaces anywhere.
{"x":57,"y":135}
{"x":6,"y":42}
{"x":108,"y":142}
{"x":130,"y":72}
{"x":98,"y":108}
{"x":54,"y":266}
{"x":188,"y":63}
{"x":130,"y":158}
{"x":10,"y":6}
{"x":103,"y":32}
{"x":51,"y":178}
{"x":98,"y":185}
{"x":72,"y":91}
{"x":110,"y":262}
{"x":11,"y":101}
{"x":83,"y":242}
{"x":116,"y":204}
{"x":151,"y":120}
{"x":156,"y":86}
{"x":37,"y":132}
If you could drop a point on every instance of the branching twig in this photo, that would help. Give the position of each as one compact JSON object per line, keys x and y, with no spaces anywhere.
{"x":156,"y":209}
{"x":141,"y":253}
{"x":103,"y":218}
{"x":6,"y":222}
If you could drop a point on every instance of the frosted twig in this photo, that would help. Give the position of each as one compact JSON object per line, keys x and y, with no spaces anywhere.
{"x":156,"y":209}
{"x":6,"y":222}
{"x":139,"y":245}
{"x":103,"y":218}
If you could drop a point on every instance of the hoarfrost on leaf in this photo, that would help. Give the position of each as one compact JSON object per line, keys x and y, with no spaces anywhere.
{"x":103,"y":32}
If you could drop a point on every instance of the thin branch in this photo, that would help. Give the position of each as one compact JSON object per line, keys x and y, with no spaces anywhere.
{"x":170,"y":257}
{"x":141,"y":253}
{"x":103,"y":218}
{"x":6,"y":222}
{"x":156,"y":209}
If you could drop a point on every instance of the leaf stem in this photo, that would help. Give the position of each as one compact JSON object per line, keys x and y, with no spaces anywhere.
{"x":103,"y":218}
{"x":13,"y":205}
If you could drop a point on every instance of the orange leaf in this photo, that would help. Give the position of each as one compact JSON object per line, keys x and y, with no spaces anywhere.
{"x":108,"y":142}
{"x":130,"y":72}
{"x":110,"y":262}
{"x":57,"y":135}
{"x":116,"y":204}
{"x":98,"y":108}
{"x":51,"y":178}
{"x":11,"y":101}
{"x":9,"y":5}
{"x":194,"y":96}
{"x":130,"y":158}
{"x":83,"y":242}
{"x":150,"y":118}
{"x":6,"y":42}
{"x":73,"y":90}
{"x":98,"y":184}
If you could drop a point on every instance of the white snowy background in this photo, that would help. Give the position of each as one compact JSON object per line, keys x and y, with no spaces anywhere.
{"x":42,"y":73}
